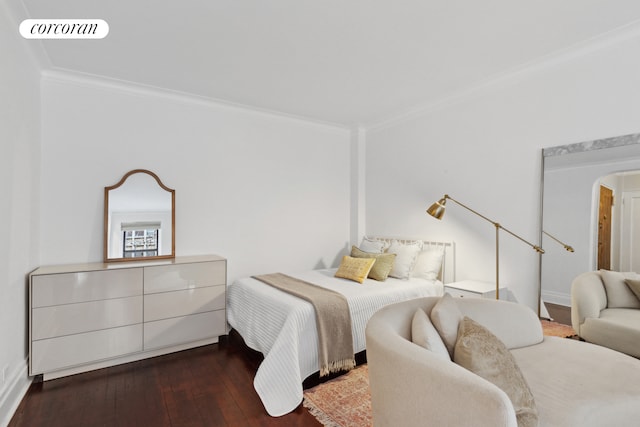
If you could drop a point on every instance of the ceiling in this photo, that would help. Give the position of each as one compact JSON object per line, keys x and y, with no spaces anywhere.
{"x":347,"y":62}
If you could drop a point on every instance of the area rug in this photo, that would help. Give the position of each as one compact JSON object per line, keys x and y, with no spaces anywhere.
{"x":555,"y":329}
{"x":345,"y":401}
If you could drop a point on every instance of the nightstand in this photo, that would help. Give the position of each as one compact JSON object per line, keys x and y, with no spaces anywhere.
{"x":474,"y":289}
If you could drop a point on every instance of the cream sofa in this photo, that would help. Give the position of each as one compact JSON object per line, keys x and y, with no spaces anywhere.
{"x":606,"y":312}
{"x":574,"y":383}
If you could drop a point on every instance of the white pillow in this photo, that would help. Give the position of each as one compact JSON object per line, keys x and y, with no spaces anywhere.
{"x":424,"y":334}
{"x":406,"y":256}
{"x":428,"y":264}
{"x":372,"y":245}
{"x":446,"y":317}
{"x":618,"y":293}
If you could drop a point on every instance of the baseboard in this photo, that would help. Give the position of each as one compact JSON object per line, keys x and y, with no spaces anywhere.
{"x":12,"y":394}
{"x":556,"y":298}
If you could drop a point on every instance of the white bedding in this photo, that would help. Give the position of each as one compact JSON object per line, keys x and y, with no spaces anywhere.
{"x":283,"y":328}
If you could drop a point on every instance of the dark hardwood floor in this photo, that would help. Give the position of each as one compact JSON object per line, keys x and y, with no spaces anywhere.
{"x":205,"y":386}
{"x":559,"y":313}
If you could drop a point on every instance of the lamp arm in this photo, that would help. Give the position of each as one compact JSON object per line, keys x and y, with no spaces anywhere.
{"x":535,"y":247}
{"x":446,"y":196}
{"x":496,"y":224}
{"x":566,"y":246}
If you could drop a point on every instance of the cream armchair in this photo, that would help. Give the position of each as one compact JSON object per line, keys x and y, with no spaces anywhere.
{"x":605,"y":312}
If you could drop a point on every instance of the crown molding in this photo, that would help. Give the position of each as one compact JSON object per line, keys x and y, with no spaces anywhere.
{"x":16,"y":11}
{"x":66,"y":76}
{"x":515,"y":75}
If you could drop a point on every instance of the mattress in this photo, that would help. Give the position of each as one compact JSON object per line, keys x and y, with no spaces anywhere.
{"x":282,"y":327}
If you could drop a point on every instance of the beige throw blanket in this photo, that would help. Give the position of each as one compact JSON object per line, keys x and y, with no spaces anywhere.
{"x":333,"y":319}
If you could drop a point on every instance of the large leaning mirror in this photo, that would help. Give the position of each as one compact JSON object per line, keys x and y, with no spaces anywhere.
{"x":590,"y":202}
{"x":139,"y":218}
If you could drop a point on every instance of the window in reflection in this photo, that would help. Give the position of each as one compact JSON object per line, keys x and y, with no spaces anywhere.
{"x":140,"y":240}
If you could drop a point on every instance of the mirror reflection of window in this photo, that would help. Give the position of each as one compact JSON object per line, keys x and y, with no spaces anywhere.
{"x":140,"y":240}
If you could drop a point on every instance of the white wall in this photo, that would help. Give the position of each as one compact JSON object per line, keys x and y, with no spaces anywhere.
{"x":19,"y":169}
{"x":268,"y":192}
{"x":484,"y":149}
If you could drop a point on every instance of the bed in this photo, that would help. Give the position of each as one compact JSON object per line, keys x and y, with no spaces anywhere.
{"x":283,"y":327}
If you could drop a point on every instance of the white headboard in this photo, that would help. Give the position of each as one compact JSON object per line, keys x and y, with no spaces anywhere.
{"x":448,"y":271}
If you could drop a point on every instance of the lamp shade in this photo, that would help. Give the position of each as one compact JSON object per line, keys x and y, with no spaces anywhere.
{"x":437,"y":209}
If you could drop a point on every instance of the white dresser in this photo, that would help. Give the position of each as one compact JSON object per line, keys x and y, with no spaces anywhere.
{"x":90,"y":316}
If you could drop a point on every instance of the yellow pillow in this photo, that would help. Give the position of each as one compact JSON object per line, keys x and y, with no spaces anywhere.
{"x":355,"y":269}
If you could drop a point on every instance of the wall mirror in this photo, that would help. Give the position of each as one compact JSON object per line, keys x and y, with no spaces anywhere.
{"x":601,"y":234}
{"x":139,"y":218}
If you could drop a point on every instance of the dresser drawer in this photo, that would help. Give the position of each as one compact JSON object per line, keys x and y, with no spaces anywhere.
{"x":73,"y":350}
{"x":181,"y":303}
{"x":180,"y":330}
{"x":66,"y":288}
{"x":67,"y":319}
{"x":174,"y":277}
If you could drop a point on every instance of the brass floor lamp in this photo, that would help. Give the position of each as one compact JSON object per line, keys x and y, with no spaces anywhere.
{"x":437,"y":209}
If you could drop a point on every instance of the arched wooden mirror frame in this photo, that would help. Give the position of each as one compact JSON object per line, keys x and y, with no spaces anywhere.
{"x":122,"y":181}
